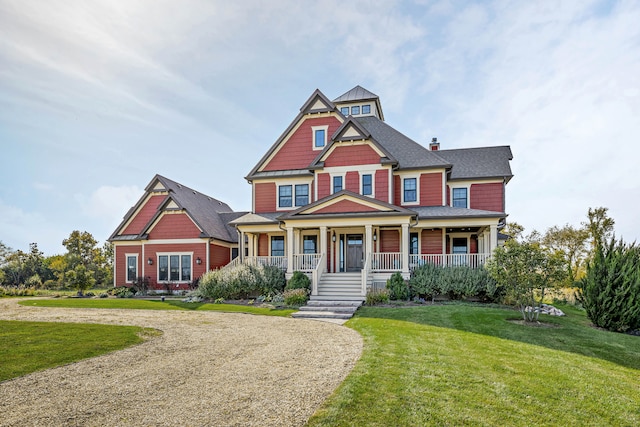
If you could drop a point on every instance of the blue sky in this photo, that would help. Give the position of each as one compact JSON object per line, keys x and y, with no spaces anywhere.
{"x":96,"y":97}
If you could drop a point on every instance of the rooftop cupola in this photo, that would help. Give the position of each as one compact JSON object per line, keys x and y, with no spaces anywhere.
{"x":434,"y":145}
{"x":359,"y":102}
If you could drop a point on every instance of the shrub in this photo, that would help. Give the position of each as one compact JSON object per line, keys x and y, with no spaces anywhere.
{"x":141,"y":285}
{"x":456,"y":282}
{"x":377,"y":296}
{"x":299,"y":280}
{"x":610,"y":291}
{"x":103,"y":295}
{"x":122,"y":292}
{"x":272,"y":280}
{"x":89,"y":294}
{"x":425,"y":281}
{"x":296,"y":297}
{"x":398,"y":287}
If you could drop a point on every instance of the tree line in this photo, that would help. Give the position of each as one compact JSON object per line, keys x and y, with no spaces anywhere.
{"x":84,"y":265}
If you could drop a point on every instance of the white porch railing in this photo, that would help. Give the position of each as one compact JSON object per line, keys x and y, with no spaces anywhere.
{"x":234,"y":262}
{"x":385,"y":261}
{"x":277,"y":261}
{"x":305,"y":262}
{"x":448,"y":260}
{"x":316,"y":274}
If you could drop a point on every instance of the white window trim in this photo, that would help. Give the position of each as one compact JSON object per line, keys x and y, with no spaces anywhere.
{"x":293,"y":195}
{"x":126,"y":269}
{"x":325,"y":128}
{"x":417,"y":178}
{"x":373,"y":183}
{"x":333,"y":175}
{"x":466,"y":236}
{"x":271,"y":236}
{"x":468,"y":187}
{"x":159,"y":254}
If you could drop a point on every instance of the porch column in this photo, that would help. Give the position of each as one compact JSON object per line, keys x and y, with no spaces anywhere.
{"x":368,"y":242}
{"x":290,"y":243}
{"x":494,"y":238}
{"x":251,"y":244}
{"x":241,"y":245}
{"x":323,"y":240}
{"x":296,"y":238}
{"x":404,"y":246}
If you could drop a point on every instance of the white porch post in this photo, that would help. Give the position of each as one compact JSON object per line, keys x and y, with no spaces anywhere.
{"x":241,"y":245}
{"x":290,"y":243}
{"x":444,"y":244}
{"x":296,"y":238}
{"x":404,"y":246}
{"x":368,"y":243}
{"x":323,"y":240}
{"x":250,"y":244}
{"x":494,"y":238}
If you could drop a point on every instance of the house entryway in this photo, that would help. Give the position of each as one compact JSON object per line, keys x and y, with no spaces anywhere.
{"x":354,"y":261}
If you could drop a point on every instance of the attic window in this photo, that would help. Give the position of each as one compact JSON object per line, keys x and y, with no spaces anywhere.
{"x":344,"y":111}
{"x":366,"y":109}
{"x":319,"y":136}
{"x":355,"y":110}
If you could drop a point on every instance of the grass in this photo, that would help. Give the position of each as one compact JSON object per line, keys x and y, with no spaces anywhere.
{"x":27,"y":347}
{"x":468,"y":365}
{"x":139,"y":304}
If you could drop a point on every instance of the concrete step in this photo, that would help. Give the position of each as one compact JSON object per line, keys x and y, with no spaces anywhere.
{"x":346,"y":298}
{"x":334,"y":309}
{"x":329,"y":303}
{"x":321,"y":315}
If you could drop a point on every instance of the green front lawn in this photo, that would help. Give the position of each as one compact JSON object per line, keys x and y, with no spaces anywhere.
{"x":468,"y":365}
{"x":168,"y":304}
{"x":33,"y":346}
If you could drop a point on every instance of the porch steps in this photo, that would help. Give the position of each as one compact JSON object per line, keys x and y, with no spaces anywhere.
{"x":317,"y":309}
{"x":339,"y":287}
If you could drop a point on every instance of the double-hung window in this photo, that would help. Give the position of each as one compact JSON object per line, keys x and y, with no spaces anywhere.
{"x":410,"y":190}
{"x":132,"y":268}
{"x":302,"y":194}
{"x":459,"y":197}
{"x":284,"y":196}
{"x":277,"y":245}
{"x":174,"y":268}
{"x":367,"y":185}
{"x":337,"y":184}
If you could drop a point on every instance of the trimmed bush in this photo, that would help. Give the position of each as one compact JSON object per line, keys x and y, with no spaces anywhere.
{"x":272,"y":280}
{"x":299,"y":280}
{"x":377,"y":296}
{"x":398,"y":288}
{"x":296,"y":297}
{"x":425,"y":281}
{"x":241,"y":281}
{"x":457,"y":282}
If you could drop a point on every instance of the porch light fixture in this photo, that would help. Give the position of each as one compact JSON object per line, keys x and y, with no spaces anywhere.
{"x":198,"y":261}
{"x":375,"y":235}
{"x":333,"y":236}
{"x":150,"y":261}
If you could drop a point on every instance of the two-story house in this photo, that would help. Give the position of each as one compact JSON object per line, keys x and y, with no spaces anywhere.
{"x":348,"y":199}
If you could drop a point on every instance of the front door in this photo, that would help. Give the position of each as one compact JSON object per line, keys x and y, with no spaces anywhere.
{"x":354,"y":252}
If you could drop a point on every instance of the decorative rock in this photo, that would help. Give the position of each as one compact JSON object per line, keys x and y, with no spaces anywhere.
{"x":545,"y":309}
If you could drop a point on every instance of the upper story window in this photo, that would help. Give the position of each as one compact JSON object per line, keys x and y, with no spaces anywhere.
{"x":132,"y":268}
{"x":367,"y":185}
{"x":284,"y":196}
{"x":302,"y":194}
{"x":459,"y":198}
{"x":366,"y":109}
{"x":344,"y":111}
{"x":319,"y":136}
{"x":277,"y":245}
{"x":410,"y":190}
{"x":174,"y":268}
{"x":337,"y":184}
{"x":355,"y":110}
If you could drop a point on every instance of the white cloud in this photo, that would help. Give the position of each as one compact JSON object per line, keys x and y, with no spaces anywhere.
{"x":109,"y":203}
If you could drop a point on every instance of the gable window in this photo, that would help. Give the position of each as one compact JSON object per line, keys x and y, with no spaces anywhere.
{"x":302,"y":194}
{"x":413,"y":244}
{"x":337,"y":184}
{"x":319,"y":134}
{"x":132,"y":268}
{"x":366,"y":109}
{"x":355,"y":110}
{"x":367,"y":185}
{"x":174,"y":268}
{"x":410,"y":193}
{"x":284,"y":196}
{"x":344,"y":111}
{"x":309,"y":244}
{"x":459,"y":197}
{"x":277,"y":245}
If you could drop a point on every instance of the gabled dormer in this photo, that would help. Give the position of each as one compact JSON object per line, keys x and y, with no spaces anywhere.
{"x":359,"y":102}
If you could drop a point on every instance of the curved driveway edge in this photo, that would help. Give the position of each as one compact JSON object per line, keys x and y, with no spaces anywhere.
{"x":208,"y":368}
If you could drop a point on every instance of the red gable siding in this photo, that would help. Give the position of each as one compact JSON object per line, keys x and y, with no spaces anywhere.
{"x":263,"y":245}
{"x":487,"y":196}
{"x":352,"y":155}
{"x":346,"y":206}
{"x":144,"y":215}
{"x":431,"y":242}
{"x":324,"y":185}
{"x":219,"y":256}
{"x":389,"y":241}
{"x":265,"y":197}
{"x":297,"y":152}
{"x":431,"y":189}
{"x":382,"y":185}
{"x":397,"y":190}
{"x":352,"y":182}
{"x":174,"y":226}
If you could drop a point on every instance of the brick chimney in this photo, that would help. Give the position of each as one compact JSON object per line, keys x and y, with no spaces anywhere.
{"x":435,"y":145}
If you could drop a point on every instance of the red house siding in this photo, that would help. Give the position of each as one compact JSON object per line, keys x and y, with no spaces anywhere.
{"x":297,"y":152}
{"x":473,"y":244}
{"x":144,"y":215}
{"x":352,"y":155}
{"x":120,"y":261}
{"x":431,"y":189}
{"x":263,"y":245}
{"x":346,"y":206}
{"x":352,"y":182}
{"x":382,"y":185}
{"x":431,"y":242}
{"x":219,"y":256}
{"x":265,"y":197}
{"x":389,"y":241}
{"x":198,"y":249}
{"x":397,"y":191}
{"x":324,"y":185}
{"x":172,"y":226}
{"x":489,"y":197}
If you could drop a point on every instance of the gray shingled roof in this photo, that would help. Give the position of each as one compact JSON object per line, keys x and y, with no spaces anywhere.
{"x":439,"y":212}
{"x":356,"y":94}
{"x":408,"y":153}
{"x":485,"y":162}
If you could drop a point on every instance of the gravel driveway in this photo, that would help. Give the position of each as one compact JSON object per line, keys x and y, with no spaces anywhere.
{"x":208,"y":368}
